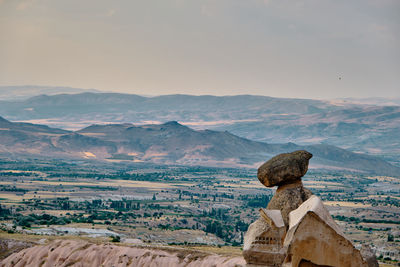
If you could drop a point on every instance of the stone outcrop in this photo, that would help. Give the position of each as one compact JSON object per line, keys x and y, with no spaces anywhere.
{"x":10,"y":246}
{"x":308,"y":235}
{"x":314,"y":237}
{"x":284,"y":168}
{"x":264,"y":239}
{"x":80,"y":253}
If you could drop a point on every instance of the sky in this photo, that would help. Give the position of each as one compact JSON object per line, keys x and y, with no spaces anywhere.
{"x":280,"y":48}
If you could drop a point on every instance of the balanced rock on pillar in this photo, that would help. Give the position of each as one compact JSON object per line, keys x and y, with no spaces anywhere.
{"x":311,"y":238}
{"x":286,"y":170}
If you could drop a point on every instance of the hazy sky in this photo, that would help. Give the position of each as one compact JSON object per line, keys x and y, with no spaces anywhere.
{"x":223,"y":47}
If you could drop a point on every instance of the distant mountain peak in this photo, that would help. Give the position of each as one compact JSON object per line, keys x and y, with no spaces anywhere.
{"x":4,"y":121}
{"x":173,"y":123}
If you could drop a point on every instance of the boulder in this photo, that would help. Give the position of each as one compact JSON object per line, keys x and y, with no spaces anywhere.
{"x":314,"y":239}
{"x":263,"y":242}
{"x":284,"y":168}
{"x":288,"y":198}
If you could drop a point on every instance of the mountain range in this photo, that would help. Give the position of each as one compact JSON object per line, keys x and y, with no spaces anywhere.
{"x":169,"y":143}
{"x":28,"y":91}
{"x":361,"y":128}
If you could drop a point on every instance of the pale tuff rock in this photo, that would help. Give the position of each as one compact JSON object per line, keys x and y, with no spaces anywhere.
{"x":9,"y":246}
{"x":314,"y":237}
{"x":284,"y":168}
{"x":311,"y":238}
{"x":313,"y":205}
{"x":263,"y":242}
{"x":273,"y":217}
{"x":79,"y":253}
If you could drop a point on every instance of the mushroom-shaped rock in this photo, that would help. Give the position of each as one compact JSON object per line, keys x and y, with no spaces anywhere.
{"x":284,"y":168}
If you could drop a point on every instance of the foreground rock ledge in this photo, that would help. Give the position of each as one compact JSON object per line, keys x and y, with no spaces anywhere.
{"x":81,"y":253}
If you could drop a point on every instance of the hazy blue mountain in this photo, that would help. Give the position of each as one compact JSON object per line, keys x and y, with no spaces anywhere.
{"x":169,"y":143}
{"x":27,"y":91}
{"x":370,"y":129}
{"x":376,"y":101}
{"x":138,"y":107}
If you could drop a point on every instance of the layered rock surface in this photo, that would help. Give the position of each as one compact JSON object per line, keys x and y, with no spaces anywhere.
{"x":264,"y":239}
{"x":80,"y":253}
{"x":314,"y":237}
{"x":10,"y":246}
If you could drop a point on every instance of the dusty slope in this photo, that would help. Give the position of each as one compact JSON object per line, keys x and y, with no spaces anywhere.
{"x":81,"y":253}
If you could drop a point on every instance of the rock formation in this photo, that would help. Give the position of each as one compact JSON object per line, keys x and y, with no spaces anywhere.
{"x":10,"y":246}
{"x":264,"y":239}
{"x":300,"y":227}
{"x":81,"y":253}
{"x":285,"y":171}
{"x":284,"y":168}
{"x":289,"y":197}
{"x":313,"y":236}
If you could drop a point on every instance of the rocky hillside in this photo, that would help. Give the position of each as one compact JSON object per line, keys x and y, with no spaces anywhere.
{"x":81,"y":253}
{"x":169,"y":143}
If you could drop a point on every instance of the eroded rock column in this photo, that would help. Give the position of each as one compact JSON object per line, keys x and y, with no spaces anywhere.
{"x":296,"y":229}
{"x":285,"y":171}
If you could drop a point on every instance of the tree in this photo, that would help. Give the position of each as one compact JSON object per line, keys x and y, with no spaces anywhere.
{"x":115,"y":238}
